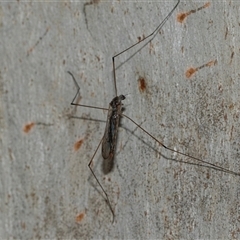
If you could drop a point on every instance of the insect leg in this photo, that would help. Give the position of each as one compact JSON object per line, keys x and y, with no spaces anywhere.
{"x":208,"y":164}
{"x":151,"y":36}
{"x":105,"y":193}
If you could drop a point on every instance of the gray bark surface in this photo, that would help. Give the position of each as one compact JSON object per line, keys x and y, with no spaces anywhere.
{"x":46,"y":185}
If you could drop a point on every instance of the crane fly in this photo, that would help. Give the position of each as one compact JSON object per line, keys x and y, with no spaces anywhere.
{"x":115,"y":112}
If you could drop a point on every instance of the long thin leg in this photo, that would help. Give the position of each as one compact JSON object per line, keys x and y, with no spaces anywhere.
{"x":89,"y":164}
{"x":78,"y":94}
{"x":211,"y":165}
{"x":150,"y":37}
{"x":106,"y":195}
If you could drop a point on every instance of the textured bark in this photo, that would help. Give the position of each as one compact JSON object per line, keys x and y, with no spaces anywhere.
{"x":47,"y":190}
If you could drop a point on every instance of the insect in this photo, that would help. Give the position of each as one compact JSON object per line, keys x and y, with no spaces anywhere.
{"x":115,"y":113}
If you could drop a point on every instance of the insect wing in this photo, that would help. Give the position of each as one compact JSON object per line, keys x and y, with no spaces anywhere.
{"x":106,"y":143}
{"x":110,"y":140}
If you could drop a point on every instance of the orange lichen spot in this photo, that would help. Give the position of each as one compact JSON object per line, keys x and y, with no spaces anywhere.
{"x":78,"y":144}
{"x":190,"y":72}
{"x":80,"y":217}
{"x":28,"y":127}
{"x":181,"y":16}
{"x":142,"y":84}
{"x":211,"y":63}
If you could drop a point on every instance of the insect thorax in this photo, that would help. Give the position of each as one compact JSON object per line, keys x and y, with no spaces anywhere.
{"x":117,"y":102}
